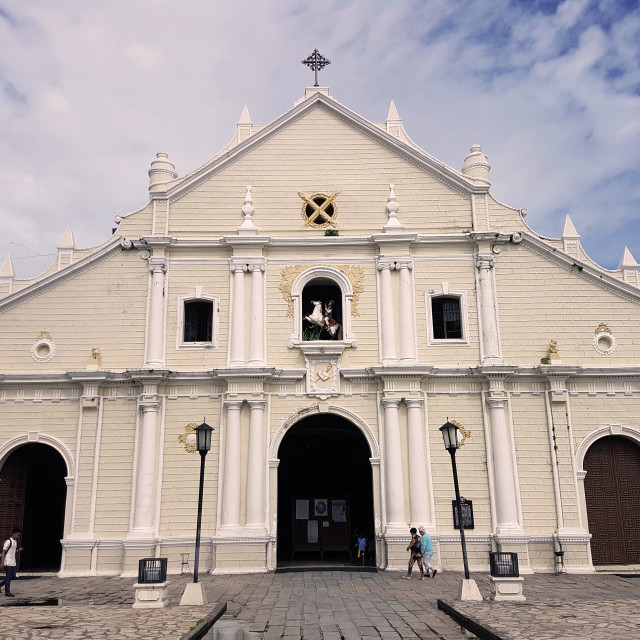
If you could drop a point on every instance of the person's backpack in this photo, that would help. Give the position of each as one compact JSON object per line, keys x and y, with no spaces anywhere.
{"x":417,"y":545}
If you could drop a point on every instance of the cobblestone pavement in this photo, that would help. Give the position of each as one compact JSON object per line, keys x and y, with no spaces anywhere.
{"x":593,"y":607}
{"x":328,"y":605}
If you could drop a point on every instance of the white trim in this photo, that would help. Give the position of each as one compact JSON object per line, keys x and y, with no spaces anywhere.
{"x":342,"y":282}
{"x":464,"y":317}
{"x":15,"y":443}
{"x":608,"y":430}
{"x":215,"y":321}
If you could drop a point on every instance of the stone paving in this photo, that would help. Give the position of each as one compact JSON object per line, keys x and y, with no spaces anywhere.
{"x":328,"y":605}
{"x":593,"y":607}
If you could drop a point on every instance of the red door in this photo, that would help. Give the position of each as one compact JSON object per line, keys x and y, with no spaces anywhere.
{"x":612,"y":490}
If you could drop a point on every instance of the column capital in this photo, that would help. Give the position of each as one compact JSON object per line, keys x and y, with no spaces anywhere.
{"x":391,"y":402}
{"x":257,"y":267}
{"x":497,"y":402}
{"x":385,"y":265}
{"x":256,"y":404}
{"x":237,"y":268}
{"x":157,"y":265}
{"x":484,"y":261}
{"x":404,"y":264}
{"x":413,"y":403}
{"x":149,"y":406}
{"x":233,"y":404}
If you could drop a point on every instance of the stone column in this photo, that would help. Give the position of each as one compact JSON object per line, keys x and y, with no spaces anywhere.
{"x":488,"y":322}
{"x":407,"y":333}
{"x":237,"y":317}
{"x":503,"y":470}
{"x":256,"y":336}
{"x":387,"y":321}
{"x":396,"y":518}
{"x":144,"y":505}
{"x":231,"y":481}
{"x":155,"y":323}
{"x":418,"y":489}
{"x":256,"y":470}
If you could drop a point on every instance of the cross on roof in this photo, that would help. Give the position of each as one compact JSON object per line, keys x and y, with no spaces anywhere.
{"x":316,"y":61}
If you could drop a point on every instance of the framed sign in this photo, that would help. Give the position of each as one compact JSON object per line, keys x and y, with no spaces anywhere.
{"x":321,"y":507}
{"x":467,"y":514}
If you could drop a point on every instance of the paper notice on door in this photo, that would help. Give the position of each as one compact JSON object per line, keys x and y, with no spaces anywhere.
{"x":312,"y":531}
{"x":339,"y":510}
{"x":302,"y":509}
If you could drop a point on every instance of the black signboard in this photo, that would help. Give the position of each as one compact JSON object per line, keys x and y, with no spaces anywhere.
{"x":467,"y":514}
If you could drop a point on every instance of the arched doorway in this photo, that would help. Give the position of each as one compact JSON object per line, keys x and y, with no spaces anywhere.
{"x":32,"y":495}
{"x":325,"y":491}
{"x":612,"y":492}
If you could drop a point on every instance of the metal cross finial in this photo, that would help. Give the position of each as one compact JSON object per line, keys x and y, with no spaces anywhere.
{"x":316,"y":61}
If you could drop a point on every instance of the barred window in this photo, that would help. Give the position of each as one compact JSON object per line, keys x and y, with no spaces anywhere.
{"x":198,"y":321}
{"x":447,"y":319}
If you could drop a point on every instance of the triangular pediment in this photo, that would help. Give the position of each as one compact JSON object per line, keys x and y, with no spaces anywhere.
{"x":411,"y":153}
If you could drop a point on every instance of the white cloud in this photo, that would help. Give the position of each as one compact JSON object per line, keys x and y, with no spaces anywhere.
{"x":90,"y":91}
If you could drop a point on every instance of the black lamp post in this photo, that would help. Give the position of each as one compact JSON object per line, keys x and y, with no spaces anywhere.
{"x":450,"y":435}
{"x":203,"y":444}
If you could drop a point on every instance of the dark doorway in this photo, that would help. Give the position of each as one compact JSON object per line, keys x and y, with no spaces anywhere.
{"x":612,"y":492}
{"x":33,"y":488}
{"x":324,"y":457}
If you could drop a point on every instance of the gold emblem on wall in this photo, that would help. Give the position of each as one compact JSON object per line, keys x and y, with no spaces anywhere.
{"x":188,"y":438}
{"x":465,"y":432}
{"x":354,"y":273}
{"x":319,"y":210}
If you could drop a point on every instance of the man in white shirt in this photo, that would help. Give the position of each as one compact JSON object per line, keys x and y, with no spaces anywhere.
{"x":8,"y":561}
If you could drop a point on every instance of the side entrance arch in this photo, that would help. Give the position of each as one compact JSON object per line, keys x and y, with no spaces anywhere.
{"x":325,"y":491}
{"x":612,"y":492}
{"x":32,"y":498}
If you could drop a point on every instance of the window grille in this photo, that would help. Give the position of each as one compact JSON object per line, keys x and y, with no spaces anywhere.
{"x":447,"y":318}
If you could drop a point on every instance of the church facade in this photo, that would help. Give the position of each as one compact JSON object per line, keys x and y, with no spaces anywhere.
{"x":326,"y":321}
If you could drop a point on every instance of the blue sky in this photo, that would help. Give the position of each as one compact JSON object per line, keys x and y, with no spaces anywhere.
{"x":89,"y":92}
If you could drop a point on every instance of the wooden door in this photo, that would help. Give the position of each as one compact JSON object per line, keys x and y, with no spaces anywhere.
{"x":612,"y":490}
{"x":12,"y":493}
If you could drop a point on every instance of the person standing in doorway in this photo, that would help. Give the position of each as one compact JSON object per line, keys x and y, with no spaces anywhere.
{"x":427,"y":552}
{"x":8,"y":560}
{"x":415,"y":547}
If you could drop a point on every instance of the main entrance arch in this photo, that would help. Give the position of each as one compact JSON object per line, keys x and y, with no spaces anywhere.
{"x":612,"y":492}
{"x":32,"y":495}
{"x":325,"y":490}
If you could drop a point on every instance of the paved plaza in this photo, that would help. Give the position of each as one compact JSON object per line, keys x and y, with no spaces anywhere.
{"x":327,"y":605}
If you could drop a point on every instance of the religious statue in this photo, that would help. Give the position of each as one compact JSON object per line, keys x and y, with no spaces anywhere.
{"x":320,"y":323}
{"x":553,"y":350}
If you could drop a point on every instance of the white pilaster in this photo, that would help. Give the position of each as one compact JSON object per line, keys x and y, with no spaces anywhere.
{"x":387,"y":320}
{"x":231,"y":482}
{"x":407,"y":333}
{"x":488,"y":321}
{"x":158,"y":269}
{"x":256,"y":470}
{"x":418,"y":488}
{"x":503,"y":471}
{"x":143,"y":514}
{"x":238,"y":317}
{"x":256,"y":336}
{"x":396,"y":519}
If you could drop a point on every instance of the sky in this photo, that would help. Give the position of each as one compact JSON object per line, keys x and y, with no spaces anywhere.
{"x":90,"y":91}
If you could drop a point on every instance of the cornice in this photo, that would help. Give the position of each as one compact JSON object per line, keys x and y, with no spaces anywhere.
{"x":416,"y":157}
{"x":582,"y":269}
{"x":68,"y":272}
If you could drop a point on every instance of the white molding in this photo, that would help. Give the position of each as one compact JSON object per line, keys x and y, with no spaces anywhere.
{"x":215,"y":322}
{"x":603,"y":432}
{"x":11,"y":445}
{"x":461,"y":294}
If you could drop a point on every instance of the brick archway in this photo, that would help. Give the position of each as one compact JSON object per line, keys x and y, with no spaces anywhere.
{"x":612,"y":492}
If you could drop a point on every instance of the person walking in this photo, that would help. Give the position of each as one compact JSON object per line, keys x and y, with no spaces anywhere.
{"x":415,"y":546}
{"x":427,"y":552}
{"x":8,"y":561}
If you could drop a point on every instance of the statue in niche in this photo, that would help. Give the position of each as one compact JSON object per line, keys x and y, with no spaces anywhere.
{"x":320,"y":323}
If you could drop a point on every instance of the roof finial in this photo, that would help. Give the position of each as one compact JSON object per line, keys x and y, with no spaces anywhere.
{"x":316,"y":61}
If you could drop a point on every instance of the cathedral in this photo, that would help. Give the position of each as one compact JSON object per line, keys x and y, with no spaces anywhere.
{"x":325,"y":295}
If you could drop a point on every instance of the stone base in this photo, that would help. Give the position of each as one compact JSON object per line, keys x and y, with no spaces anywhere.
{"x":151,"y":596}
{"x":469,"y":591}
{"x":194,"y":595}
{"x":507,"y":589}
